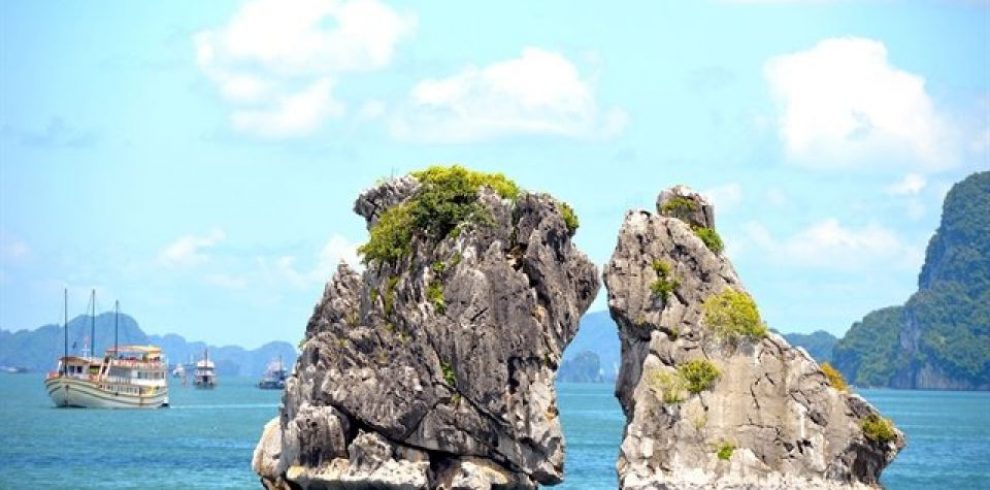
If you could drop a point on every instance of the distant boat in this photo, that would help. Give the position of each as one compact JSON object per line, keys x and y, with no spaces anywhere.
{"x":275,"y":375}
{"x":179,"y":371}
{"x":132,"y":376}
{"x":205,"y":376}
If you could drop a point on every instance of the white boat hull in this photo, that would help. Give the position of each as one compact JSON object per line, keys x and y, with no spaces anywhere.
{"x":73,"y":392}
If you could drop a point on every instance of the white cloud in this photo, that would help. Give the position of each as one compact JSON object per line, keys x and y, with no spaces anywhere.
{"x":298,"y":113}
{"x":843,"y":105}
{"x":337,"y":249}
{"x":725,"y":197}
{"x":271,"y":48}
{"x":540,"y":92}
{"x":189,"y":250}
{"x":910,"y":185}
{"x":829,"y":244}
{"x":285,"y":269}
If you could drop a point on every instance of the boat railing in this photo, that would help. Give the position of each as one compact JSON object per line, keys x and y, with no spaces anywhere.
{"x":135,"y":363}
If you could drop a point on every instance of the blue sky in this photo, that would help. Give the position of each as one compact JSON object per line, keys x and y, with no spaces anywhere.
{"x":198,"y":160}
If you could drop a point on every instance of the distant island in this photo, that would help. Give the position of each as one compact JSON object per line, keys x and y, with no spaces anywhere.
{"x":593,"y":356}
{"x":37,"y":350}
{"x":940,"y":338}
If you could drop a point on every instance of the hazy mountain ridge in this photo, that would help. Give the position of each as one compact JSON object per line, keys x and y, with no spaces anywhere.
{"x":39,"y":349}
{"x":818,"y":343}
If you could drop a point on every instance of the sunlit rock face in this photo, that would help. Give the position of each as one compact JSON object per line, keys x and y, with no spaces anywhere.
{"x":768,"y":419}
{"x":436,"y":370}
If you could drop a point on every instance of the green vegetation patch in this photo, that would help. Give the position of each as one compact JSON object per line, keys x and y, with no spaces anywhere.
{"x":678,"y":207}
{"x":711,"y":238}
{"x":448,"y":374}
{"x":733,"y":315}
{"x":834,"y":377}
{"x":725,"y":451}
{"x":388,"y":299}
{"x":666,"y":281}
{"x":570,"y":218}
{"x":698,"y":374}
{"x":693,"y":377}
{"x":878,"y":429}
{"x":670,"y":386}
{"x":457,"y":176}
{"x":446,"y":198}
{"x":390,"y":239}
{"x":434,"y":293}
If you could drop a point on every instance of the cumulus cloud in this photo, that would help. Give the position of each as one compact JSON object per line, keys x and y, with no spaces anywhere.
{"x":293,"y":114}
{"x":540,"y":92}
{"x":190,"y":250}
{"x":843,"y":105}
{"x":910,"y":185}
{"x":276,"y":61}
{"x":829,"y":244}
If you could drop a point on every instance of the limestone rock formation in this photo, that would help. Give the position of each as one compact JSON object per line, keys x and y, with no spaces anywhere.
{"x":435,"y":366}
{"x":711,"y":397}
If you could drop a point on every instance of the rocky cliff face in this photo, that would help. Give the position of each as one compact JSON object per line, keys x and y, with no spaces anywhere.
{"x":712,"y":399}
{"x":435,"y":368}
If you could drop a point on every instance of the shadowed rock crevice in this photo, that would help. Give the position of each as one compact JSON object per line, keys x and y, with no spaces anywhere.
{"x":712,"y":399}
{"x":435,"y":366}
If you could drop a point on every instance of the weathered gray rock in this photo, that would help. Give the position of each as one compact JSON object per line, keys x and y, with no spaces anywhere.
{"x":789,"y":428}
{"x":394,"y":389}
{"x":688,"y":206}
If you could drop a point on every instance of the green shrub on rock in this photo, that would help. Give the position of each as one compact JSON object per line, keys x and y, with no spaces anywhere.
{"x":456,"y":175}
{"x":391,"y":237}
{"x":570,"y":218}
{"x":446,"y":198}
{"x":678,"y":207}
{"x":878,"y":429}
{"x":666,"y":281}
{"x":834,"y":377}
{"x":434,"y":293}
{"x":711,"y":238}
{"x":670,"y":386}
{"x":448,"y":374}
{"x":725,"y":451}
{"x":733,"y":315}
{"x":698,"y":374}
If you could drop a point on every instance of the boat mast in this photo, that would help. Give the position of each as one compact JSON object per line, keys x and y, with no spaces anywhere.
{"x":92,"y":327}
{"x":116,"y":314}
{"x":65,"y":329}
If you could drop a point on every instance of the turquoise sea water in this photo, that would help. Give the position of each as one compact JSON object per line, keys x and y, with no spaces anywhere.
{"x":206,"y":439}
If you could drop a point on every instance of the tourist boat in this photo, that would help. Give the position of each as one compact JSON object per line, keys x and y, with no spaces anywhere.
{"x":205,"y":376}
{"x":132,"y":376}
{"x":274,"y":378}
{"x":179,"y":371}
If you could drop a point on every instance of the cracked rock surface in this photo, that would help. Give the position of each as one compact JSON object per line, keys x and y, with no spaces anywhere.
{"x":771,"y":415}
{"x":397,"y":389}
